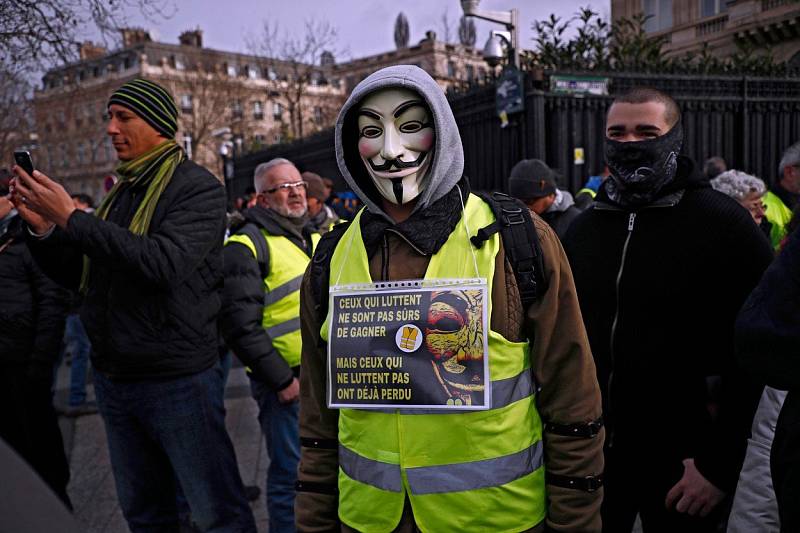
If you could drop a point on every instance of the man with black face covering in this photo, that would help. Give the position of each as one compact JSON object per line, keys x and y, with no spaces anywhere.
{"x":662,"y":264}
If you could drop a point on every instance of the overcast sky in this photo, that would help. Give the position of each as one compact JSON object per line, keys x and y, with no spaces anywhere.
{"x":365,"y":27}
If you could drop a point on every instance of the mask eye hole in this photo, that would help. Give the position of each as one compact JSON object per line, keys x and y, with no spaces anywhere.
{"x":412,"y":126}
{"x":370,"y":132}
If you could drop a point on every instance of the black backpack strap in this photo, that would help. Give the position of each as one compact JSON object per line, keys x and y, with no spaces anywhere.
{"x":260,"y":242}
{"x":521,"y":242}
{"x":321,"y":267}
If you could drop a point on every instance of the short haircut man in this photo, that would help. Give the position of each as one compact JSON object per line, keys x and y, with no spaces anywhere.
{"x":534,"y":183}
{"x":644,"y":95}
{"x":714,"y":166}
{"x":662,"y":263}
{"x":788,"y":183}
{"x":264,"y":262}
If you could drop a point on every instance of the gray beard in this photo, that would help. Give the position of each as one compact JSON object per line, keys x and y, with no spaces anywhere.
{"x":289,"y":213}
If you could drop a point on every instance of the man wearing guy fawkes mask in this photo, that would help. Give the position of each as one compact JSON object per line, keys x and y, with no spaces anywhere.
{"x":662,"y":264}
{"x":399,"y":149}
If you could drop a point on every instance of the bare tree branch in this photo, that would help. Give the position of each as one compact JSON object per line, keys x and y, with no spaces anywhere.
{"x":447,"y":26}
{"x":16,"y":116}
{"x":296,"y":73}
{"x":42,"y":33}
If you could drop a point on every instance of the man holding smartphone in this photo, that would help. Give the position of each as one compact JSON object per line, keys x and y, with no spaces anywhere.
{"x":149,"y":263}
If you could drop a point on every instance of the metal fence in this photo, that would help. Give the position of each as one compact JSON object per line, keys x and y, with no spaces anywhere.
{"x":748,"y":121}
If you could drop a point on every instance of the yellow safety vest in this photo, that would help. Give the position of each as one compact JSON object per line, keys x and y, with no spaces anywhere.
{"x":281,"y":318}
{"x":778,"y":215}
{"x":461,"y":470}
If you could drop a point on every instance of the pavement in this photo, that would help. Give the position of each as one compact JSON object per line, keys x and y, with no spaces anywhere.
{"x":91,"y":487}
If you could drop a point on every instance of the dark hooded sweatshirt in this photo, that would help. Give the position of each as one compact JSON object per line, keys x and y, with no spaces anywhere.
{"x":659,"y":289}
{"x":562,"y":364}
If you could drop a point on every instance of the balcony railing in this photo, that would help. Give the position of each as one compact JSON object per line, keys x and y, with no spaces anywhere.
{"x":766,"y":5}
{"x":712,"y":26}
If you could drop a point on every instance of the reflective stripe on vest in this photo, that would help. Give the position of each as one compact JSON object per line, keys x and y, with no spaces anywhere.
{"x":476,"y":470}
{"x":281,"y":316}
{"x":444,"y":478}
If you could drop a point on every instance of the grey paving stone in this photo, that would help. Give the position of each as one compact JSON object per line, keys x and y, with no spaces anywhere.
{"x":92,"y":487}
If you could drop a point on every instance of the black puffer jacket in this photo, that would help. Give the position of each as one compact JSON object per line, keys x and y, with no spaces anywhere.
{"x":659,"y":290}
{"x":152,"y":302}
{"x":32,"y":307}
{"x":243,"y":302}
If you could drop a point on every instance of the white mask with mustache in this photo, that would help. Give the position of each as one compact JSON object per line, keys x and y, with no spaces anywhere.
{"x":395,"y":141}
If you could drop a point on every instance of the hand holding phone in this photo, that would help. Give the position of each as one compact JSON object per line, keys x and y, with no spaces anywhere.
{"x":24,"y":161}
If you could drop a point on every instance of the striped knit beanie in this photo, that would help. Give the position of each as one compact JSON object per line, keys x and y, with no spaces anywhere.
{"x":150,"y":101}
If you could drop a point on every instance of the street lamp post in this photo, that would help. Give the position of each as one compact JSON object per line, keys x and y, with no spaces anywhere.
{"x":507,"y":18}
{"x":510,"y":87}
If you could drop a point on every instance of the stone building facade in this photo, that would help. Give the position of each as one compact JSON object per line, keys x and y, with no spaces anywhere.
{"x":688,"y":25}
{"x":451,"y":65}
{"x":223,"y":97}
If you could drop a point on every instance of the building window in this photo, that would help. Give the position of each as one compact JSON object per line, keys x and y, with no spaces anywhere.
{"x":258,"y":141}
{"x":258,"y":110}
{"x":80,"y":153}
{"x":451,"y":69}
{"x":64,"y":156}
{"x":236,"y":109}
{"x":277,"y":138}
{"x":270,"y":74}
{"x":317,"y":115}
{"x":231,"y":70}
{"x":178,"y":63}
{"x":658,"y":13}
{"x":126,"y":63}
{"x":187,"y":144}
{"x":186,"y":103}
{"x":709,"y":8}
{"x":336,"y":83}
{"x":51,"y":157}
{"x":470,"y":72}
{"x":108,"y":149}
{"x":277,"y":111}
{"x":252,"y":73}
{"x":97,"y":153}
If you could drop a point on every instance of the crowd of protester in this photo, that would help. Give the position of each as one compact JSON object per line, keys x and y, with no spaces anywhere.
{"x":686,"y":280}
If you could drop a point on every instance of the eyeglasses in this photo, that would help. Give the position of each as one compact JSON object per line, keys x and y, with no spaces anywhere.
{"x":288,"y":186}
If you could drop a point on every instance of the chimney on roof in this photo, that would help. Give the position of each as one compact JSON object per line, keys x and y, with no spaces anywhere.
{"x":89,"y":50}
{"x":132,"y":36}
{"x":430,"y":35}
{"x":327,"y":59}
{"x":192,"y":38}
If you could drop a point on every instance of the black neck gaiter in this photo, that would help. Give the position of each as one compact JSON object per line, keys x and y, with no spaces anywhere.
{"x":641,"y":169}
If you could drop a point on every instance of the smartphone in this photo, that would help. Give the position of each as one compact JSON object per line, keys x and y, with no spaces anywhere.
{"x":23,"y":159}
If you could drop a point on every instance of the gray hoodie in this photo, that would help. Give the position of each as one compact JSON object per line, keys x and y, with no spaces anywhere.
{"x":564,"y":201}
{"x":448,"y":159}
